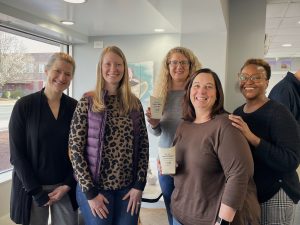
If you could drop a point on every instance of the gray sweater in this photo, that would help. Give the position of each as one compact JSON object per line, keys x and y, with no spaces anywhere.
{"x":171,"y":118}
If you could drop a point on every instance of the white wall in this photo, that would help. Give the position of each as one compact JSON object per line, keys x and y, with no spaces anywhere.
{"x":210,"y":49}
{"x":136,"y":48}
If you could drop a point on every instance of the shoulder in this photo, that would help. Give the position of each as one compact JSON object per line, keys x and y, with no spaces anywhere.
{"x":222,"y":122}
{"x":282,"y":87}
{"x":278,"y":108}
{"x":274,"y":105}
{"x":239,"y":110}
{"x":28,"y":100}
{"x":184,"y":125}
{"x":71,"y":101}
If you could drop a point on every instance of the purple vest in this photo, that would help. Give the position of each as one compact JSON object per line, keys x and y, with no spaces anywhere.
{"x":96,"y":132}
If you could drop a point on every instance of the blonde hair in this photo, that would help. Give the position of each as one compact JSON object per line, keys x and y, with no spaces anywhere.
{"x":127,"y":100}
{"x":63,"y":57}
{"x":163,"y":81}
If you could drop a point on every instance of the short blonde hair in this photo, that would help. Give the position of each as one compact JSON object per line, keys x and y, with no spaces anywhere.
{"x":162,"y":84}
{"x":63,"y":57}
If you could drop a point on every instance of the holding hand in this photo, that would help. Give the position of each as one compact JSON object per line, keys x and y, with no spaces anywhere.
{"x":57,"y":194}
{"x":134,"y":203}
{"x":98,"y":206}
{"x":153,"y":122}
{"x":159,"y":167}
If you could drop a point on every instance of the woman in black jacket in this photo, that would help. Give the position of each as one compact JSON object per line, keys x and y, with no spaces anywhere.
{"x":38,"y":135}
{"x":274,"y":139}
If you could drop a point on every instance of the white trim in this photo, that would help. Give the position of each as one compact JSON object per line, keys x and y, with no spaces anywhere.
{"x":5,"y":176}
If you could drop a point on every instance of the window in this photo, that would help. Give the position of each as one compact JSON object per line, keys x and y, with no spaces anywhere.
{"x":41,"y":68}
{"x":22,"y":63}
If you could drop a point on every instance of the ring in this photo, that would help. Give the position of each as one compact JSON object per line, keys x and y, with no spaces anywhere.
{"x":138,"y":203}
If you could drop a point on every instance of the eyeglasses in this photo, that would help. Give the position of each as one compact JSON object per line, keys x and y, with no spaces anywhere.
{"x":244,"y":77}
{"x":175,"y":63}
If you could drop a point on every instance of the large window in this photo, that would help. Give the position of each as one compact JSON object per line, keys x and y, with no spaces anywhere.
{"x":22,"y":62}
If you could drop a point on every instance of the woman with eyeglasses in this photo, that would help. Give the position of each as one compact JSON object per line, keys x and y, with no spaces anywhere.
{"x":274,"y":139}
{"x":176,"y":68}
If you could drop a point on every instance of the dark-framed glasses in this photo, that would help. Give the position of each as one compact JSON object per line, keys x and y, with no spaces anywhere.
{"x":175,"y":63}
{"x":244,"y":77}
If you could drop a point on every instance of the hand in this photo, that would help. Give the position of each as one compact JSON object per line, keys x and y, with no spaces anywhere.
{"x":134,"y":202}
{"x":98,"y":206}
{"x":239,"y":123}
{"x":49,"y":203}
{"x":153,"y":122}
{"x":57,"y":194}
{"x":159,"y":167}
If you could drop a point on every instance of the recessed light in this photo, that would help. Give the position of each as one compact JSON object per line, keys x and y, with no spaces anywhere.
{"x":159,"y":30}
{"x":75,"y":1}
{"x":65,"y":22}
{"x":299,"y":21}
{"x":286,"y":45}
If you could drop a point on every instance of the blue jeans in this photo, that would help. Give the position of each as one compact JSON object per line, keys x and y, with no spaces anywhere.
{"x":117,"y":209}
{"x":176,"y":222}
{"x":167,"y":186}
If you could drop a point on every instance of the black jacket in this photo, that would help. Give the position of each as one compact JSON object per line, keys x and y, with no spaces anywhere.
{"x":23,"y":139}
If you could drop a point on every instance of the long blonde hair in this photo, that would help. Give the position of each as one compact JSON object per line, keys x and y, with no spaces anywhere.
{"x":163,"y":81}
{"x":127,"y":100}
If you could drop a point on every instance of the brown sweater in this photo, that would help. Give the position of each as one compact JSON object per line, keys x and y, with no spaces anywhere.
{"x":214,"y":166}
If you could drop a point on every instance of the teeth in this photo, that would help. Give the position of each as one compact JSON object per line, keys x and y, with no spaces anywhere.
{"x":249,"y":88}
{"x":201,"y":98}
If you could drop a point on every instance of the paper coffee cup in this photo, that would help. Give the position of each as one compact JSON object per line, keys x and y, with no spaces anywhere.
{"x":156,"y":107}
{"x":167,"y":157}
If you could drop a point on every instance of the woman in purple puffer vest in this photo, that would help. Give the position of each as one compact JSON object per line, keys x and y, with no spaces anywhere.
{"x":109,"y":146}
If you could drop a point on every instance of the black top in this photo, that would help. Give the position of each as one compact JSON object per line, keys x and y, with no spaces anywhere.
{"x":24,"y":127}
{"x":277,"y":156}
{"x":54,"y":166}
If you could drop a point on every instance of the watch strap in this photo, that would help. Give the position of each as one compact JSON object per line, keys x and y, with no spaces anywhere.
{"x":222,"y":221}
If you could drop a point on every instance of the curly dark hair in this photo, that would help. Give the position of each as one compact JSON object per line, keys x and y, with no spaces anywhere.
{"x":259,"y":62}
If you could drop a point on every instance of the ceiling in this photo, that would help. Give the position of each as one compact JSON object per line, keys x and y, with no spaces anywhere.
{"x":127,"y":17}
{"x":114,"y":17}
{"x":283,"y":27}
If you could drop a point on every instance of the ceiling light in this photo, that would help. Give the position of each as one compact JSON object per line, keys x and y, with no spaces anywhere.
{"x":286,"y":45}
{"x":159,"y":30}
{"x":75,"y":1}
{"x":65,"y":22}
{"x":299,"y":21}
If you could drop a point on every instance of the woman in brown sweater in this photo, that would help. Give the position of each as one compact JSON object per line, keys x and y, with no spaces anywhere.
{"x":213,"y":181}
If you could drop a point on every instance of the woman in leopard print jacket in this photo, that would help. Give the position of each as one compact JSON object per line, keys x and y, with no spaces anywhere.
{"x":109,"y":146}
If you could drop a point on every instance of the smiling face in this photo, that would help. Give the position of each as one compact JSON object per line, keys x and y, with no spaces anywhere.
{"x":112,"y":69}
{"x":250,"y":88}
{"x":59,"y":76}
{"x":179,"y":67}
{"x":203,"y":92}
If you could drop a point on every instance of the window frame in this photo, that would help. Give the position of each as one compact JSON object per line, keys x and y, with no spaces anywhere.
{"x":5,"y":175}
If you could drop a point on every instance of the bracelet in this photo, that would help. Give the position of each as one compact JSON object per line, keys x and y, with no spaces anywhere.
{"x":222,"y":221}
